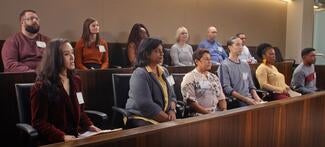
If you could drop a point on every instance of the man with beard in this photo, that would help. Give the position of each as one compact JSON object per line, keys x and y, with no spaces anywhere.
{"x":304,"y":76}
{"x":22,"y":52}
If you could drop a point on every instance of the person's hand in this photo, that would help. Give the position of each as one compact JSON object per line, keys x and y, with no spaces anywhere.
{"x":171,"y":115}
{"x":279,"y":90}
{"x":249,"y":61}
{"x":252,"y":101}
{"x":285,"y":90}
{"x":69,"y":137}
{"x":258,"y":100}
{"x":94,"y":128}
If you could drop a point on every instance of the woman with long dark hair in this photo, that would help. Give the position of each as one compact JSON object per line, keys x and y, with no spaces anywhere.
{"x":56,"y":100}
{"x":91,"y":50}
{"x":137,"y":34}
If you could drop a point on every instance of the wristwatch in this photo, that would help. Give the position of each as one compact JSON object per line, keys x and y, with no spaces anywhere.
{"x":172,"y":110}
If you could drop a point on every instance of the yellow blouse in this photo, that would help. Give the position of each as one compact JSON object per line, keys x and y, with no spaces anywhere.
{"x":269,"y":75}
{"x":162,"y":83}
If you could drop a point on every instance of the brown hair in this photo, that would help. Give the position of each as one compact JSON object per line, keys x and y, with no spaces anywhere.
{"x":135,"y":34}
{"x":86,"y":32}
{"x":22,"y":13}
{"x":51,"y":65}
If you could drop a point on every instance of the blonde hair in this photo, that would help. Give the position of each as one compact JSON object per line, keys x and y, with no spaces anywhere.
{"x":179,"y":31}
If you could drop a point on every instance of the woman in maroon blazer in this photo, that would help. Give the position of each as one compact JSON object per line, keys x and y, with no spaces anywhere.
{"x":56,"y":99}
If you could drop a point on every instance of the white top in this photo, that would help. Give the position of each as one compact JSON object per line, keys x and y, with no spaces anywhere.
{"x":246,"y":56}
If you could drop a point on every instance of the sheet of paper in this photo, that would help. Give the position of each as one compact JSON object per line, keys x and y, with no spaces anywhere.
{"x":293,"y":93}
{"x":262,"y":102}
{"x":90,"y":133}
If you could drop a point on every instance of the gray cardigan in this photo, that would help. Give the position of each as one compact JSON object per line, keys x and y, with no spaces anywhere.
{"x":145,"y":95}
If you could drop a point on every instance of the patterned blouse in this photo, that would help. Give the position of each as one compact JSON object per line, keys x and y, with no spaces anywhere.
{"x":206,"y":90}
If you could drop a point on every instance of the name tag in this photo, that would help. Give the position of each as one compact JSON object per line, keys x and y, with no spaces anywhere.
{"x":80,"y":98}
{"x":245,"y":76}
{"x":101,"y":48}
{"x":204,"y":84}
{"x":171,"y":80}
{"x":315,"y":75}
{"x":220,"y":49}
{"x":41,"y":44}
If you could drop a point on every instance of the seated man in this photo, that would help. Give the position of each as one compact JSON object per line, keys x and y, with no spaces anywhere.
{"x":218,"y":54}
{"x":23,"y":51}
{"x":235,"y":76}
{"x":201,"y":89}
{"x":245,"y":55}
{"x":304,"y":76}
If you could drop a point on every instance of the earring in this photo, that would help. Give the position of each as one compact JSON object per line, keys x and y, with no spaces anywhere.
{"x":264,"y":61}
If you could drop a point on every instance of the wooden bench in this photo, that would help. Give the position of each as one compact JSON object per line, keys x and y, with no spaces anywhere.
{"x":97,"y":91}
{"x":297,"y":121}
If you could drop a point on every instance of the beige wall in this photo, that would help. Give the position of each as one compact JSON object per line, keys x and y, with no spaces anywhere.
{"x":300,"y":27}
{"x":262,"y":20}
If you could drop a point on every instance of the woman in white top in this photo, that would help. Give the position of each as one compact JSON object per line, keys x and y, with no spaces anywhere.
{"x":181,"y":52}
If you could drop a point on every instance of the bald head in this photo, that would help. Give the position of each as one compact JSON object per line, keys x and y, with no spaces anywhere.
{"x":212,"y":33}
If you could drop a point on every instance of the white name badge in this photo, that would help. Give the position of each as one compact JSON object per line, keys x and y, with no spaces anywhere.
{"x":101,"y":48}
{"x":80,"y":98}
{"x":245,"y":76}
{"x":41,"y":44}
{"x":220,"y":49}
{"x":315,"y":75}
{"x":171,"y":80}
{"x":204,"y":84}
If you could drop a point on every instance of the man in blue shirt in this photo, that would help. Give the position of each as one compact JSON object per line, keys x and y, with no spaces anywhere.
{"x":218,"y":54}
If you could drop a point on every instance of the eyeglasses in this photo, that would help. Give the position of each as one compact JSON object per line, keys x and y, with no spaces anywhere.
{"x":32,"y":18}
{"x":243,"y":38}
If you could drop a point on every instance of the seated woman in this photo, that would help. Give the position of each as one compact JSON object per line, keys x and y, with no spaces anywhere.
{"x":56,"y":99}
{"x":201,"y":89}
{"x":181,"y":52}
{"x":151,"y":96}
{"x":268,"y":75}
{"x":137,"y":34}
{"x":236,"y":78}
{"x":91,"y":50}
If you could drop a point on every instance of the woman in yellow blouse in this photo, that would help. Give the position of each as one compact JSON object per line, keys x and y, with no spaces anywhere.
{"x":268,"y":75}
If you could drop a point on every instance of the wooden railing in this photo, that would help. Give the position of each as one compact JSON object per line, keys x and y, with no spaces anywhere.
{"x":297,"y":122}
{"x":97,"y":91}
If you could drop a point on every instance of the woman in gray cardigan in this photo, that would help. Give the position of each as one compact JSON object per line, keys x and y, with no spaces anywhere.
{"x":181,"y":52}
{"x":151,"y":96}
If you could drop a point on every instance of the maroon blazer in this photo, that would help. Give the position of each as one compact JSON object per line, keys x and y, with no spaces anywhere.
{"x":54,"y":118}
